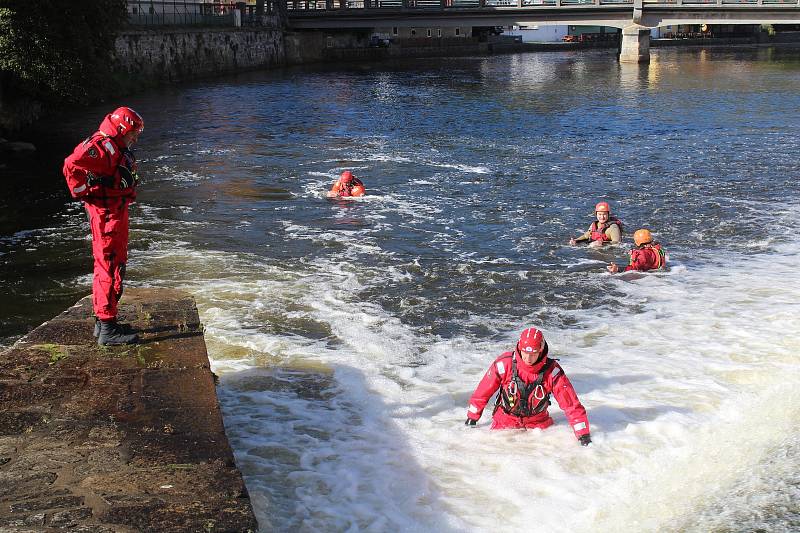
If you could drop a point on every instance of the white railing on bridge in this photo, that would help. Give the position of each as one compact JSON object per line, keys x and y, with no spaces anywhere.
{"x":311,"y":5}
{"x":788,"y":3}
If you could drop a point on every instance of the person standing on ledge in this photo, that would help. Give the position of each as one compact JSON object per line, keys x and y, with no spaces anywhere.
{"x":347,"y":185}
{"x":101,"y":171}
{"x":525,"y":379}
{"x":605,"y":230}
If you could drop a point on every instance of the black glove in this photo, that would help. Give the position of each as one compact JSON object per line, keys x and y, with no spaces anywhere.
{"x":470,"y":422}
{"x":585,"y":440}
{"x":126,"y":178}
{"x":94,"y":179}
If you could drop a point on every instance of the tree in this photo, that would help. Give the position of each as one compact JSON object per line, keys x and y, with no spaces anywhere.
{"x":58,"y":51}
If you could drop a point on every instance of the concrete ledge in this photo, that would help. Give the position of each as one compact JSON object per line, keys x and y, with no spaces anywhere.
{"x":125,"y":438}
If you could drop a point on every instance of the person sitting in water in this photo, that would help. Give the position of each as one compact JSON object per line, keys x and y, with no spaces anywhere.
{"x":347,"y":185}
{"x":606,"y":229}
{"x":526,"y":378}
{"x":647,"y":255}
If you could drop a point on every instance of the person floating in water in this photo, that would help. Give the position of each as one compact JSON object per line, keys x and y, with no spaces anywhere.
{"x":347,"y":185}
{"x":607,"y":229}
{"x":648,"y":255}
{"x":526,"y":378}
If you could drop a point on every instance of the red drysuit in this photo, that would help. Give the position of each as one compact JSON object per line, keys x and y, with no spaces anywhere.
{"x":102,"y":172}
{"x":541,"y":379}
{"x":650,"y":257}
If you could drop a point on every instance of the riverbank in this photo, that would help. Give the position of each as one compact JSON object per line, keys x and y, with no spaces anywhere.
{"x":123,"y":438}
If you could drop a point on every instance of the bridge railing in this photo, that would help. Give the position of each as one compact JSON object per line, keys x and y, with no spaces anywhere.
{"x":788,"y":3}
{"x":414,"y":5}
{"x":194,"y":13}
{"x":316,"y":5}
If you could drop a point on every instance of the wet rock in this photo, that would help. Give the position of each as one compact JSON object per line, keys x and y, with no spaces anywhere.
{"x":47,"y":503}
{"x":69,"y":519}
{"x":35,"y":519}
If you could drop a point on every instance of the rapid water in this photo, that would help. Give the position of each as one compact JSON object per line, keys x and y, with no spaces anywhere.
{"x":349,"y":335}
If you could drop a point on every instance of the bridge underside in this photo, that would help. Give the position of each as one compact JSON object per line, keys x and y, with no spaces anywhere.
{"x":635,"y":20}
{"x":621,"y":17}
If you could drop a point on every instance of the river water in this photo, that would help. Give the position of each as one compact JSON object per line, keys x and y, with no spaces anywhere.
{"x":349,"y":335}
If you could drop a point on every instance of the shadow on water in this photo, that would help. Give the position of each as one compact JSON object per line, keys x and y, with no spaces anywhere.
{"x":319,"y":451}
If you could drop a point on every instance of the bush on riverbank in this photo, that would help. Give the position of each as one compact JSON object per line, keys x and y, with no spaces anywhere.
{"x":54,"y":52}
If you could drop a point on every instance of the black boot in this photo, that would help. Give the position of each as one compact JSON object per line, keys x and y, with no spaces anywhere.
{"x":112,"y":334}
{"x":125,"y":328}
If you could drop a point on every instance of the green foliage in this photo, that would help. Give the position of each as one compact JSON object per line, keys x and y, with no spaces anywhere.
{"x":55,"y":351}
{"x":58,"y":50}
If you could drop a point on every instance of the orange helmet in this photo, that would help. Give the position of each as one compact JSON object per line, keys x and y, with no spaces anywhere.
{"x":347,"y":176}
{"x":602,"y":207}
{"x":642,"y":236}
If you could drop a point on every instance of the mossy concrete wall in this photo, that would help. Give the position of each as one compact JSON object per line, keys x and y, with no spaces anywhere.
{"x":152,"y":57}
{"x":111,"y":439}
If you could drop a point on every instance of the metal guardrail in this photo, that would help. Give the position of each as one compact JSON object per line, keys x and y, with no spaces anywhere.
{"x":183,"y":13}
{"x":421,"y":5}
{"x":323,"y":5}
{"x":770,"y":3}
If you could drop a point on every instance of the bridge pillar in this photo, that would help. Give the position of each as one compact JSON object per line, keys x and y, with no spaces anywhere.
{"x":635,"y":46}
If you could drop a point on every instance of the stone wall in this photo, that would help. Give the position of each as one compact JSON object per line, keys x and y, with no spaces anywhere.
{"x":151,"y":57}
{"x":117,"y":438}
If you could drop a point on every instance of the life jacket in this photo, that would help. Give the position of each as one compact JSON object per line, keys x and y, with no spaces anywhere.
{"x":353,"y":188}
{"x":358,"y":189}
{"x":660,"y":256}
{"x":515,"y":398}
{"x":348,"y":189}
{"x":599,"y":232}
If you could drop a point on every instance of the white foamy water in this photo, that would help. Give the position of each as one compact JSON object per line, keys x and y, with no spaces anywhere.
{"x":690,"y":385}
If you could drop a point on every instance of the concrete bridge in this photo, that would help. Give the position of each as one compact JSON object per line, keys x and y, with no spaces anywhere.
{"x":634,"y":17}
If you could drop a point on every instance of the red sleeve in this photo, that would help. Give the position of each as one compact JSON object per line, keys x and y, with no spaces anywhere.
{"x":568,"y":400}
{"x":89,"y":156}
{"x":487,"y":387}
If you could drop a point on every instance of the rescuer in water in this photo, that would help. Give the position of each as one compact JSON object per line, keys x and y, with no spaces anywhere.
{"x":526,"y":378}
{"x":648,"y":255}
{"x":607,"y":229}
{"x":347,"y":185}
{"x":101,"y":171}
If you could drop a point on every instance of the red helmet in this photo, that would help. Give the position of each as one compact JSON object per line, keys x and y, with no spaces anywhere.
{"x":602,"y":207}
{"x":347,"y":176}
{"x":531,"y":340}
{"x":126,"y":119}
